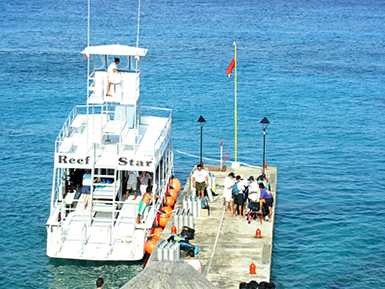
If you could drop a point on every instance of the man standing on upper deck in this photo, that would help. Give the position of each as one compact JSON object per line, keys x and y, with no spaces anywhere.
{"x":113,"y":74}
{"x":199,"y":180}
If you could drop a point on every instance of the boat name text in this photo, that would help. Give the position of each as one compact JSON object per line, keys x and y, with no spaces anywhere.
{"x":80,"y":161}
{"x":123,"y":161}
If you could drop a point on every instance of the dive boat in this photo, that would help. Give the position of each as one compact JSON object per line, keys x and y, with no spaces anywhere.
{"x":109,"y":137}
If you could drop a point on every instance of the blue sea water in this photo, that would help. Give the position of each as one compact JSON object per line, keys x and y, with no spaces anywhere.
{"x":315,"y":69}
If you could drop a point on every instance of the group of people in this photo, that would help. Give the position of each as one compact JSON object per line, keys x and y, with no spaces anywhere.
{"x":133,"y":179}
{"x":144,"y":180}
{"x":238,"y":192}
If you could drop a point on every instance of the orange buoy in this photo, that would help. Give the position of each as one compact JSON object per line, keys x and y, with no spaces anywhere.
{"x":265,"y":165}
{"x":258,"y":233}
{"x":173,"y":194}
{"x":167,"y":210}
{"x":173,"y":230}
{"x":175,"y":183}
{"x":252,"y":268}
{"x":163,"y":219}
{"x":156,"y":232}
{"x":150,"y":245}
{"x":170,"y":201}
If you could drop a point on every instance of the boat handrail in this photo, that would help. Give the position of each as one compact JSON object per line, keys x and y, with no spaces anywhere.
{"x":65,"y":130}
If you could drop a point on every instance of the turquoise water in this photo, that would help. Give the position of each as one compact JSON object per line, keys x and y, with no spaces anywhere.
{"x":315,"y":69}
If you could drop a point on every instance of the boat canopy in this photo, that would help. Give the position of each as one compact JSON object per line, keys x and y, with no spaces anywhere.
{"x":115,"y":49}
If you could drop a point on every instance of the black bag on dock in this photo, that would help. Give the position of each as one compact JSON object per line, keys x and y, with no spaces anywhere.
{"x":188,"y":233}
{"x":254,"y":206}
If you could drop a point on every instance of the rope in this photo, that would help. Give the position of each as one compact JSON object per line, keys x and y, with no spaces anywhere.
{"x":215,"y":244}
{"x":190,"y":155}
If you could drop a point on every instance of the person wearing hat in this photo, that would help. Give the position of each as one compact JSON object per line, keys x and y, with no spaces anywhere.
{"x":227,"y":193}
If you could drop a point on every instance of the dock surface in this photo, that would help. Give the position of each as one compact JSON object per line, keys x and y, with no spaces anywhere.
{"x":228,"y":244}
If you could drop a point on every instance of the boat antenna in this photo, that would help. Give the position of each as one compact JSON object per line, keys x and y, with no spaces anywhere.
{"x":88,"y":24}
{"x":137,"y":34}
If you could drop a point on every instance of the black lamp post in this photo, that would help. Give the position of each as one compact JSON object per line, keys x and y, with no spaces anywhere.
{"x":201,"y":122}
{"x":264,"y":122}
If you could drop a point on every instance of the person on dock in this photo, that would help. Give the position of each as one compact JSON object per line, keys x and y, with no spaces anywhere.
{"x":199,"y":180}
{"x":266,"y":198}
{"x":263,"y":179}
{"x":238,"y":196}
{"x":113,"y":74}
{"x":227,"y":193}
{"x":99,"y":283}
{"x":194,"y":262}
{"x":254,"y":192}
{"x":245,"y":193}
{"x":131,"y":181}
{"x":144,"y":178}
{"x":147,"y":197}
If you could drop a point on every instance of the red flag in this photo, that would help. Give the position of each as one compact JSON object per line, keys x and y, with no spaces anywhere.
{"x":229,"y":69}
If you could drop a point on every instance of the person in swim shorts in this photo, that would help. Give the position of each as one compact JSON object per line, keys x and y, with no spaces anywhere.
{"x":144,"y":202}
{"x":199,"y":180}
{"x":86,"y":189}
{"x":227,"y":194}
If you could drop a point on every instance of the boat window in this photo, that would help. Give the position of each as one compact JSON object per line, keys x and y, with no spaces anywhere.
{"x":134,"y":64}
{"x":99,"y":62}
{"x":124,"y":63}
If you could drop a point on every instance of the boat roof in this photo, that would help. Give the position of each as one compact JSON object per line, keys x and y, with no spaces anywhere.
{"x":115,"y":49}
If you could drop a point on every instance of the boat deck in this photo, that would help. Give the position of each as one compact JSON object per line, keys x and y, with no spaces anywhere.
{"x":227,"y":244}
{"x":99,"y":245}
{"x":106,"y":133}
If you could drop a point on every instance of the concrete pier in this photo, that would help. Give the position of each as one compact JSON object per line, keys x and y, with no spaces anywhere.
{"x":228,"y":244}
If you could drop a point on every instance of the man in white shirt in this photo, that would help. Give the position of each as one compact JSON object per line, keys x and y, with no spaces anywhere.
{"x":131,"y":181}
{"x":112,"y":74}
{"x":254,"y":192}
{"x":194,"y":262}
{"x":227,"y":193}
{"x":199,"y":180}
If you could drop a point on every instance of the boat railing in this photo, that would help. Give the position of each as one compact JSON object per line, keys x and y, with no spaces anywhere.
{"x":66,"y":128}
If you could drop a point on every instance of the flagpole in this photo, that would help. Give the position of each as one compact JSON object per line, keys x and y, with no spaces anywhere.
{"x":235,"y":57}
